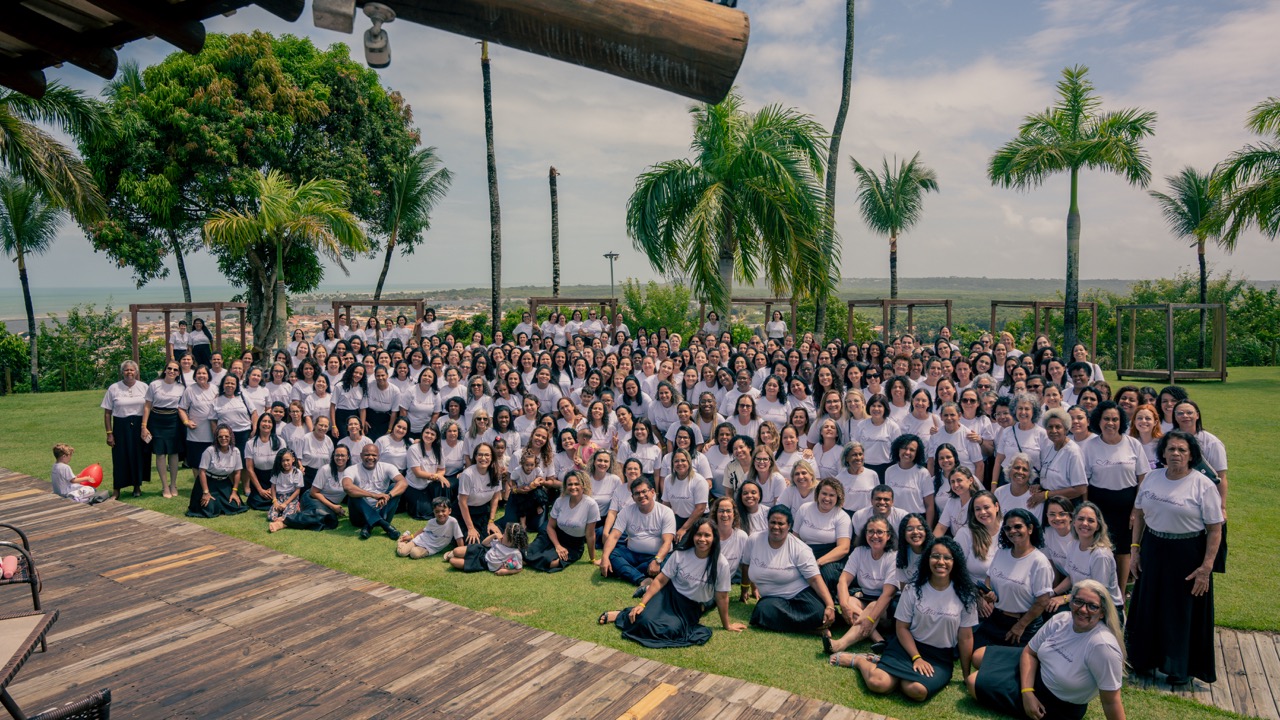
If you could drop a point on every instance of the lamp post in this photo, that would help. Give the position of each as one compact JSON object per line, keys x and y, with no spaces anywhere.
{"x":611,"y":256}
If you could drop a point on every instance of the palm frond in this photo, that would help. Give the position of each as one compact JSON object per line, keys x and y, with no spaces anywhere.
{"x":1188,"y":204}
{"x":29,"y":222}
{"x":1264,"y":119}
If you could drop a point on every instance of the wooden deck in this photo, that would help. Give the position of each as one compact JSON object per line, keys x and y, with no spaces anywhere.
{"x":183,"y":622}
{"x":1248,"y":675}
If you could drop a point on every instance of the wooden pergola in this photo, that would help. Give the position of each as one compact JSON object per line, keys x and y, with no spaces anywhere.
{"x":887,"y":304}
{"x":169,"y":308}
{"x":1125,"y":351}
{"x":339,"y":306}
{"x":1040,"y":318}
{"x":690,"y":47}
{"x":611,"y":304}
{"x":768,"y":304}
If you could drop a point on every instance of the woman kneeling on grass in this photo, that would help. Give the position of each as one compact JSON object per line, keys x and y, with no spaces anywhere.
{"x":935,"y":619}
{"x":669,"y":614}
{"x":499,"y":553}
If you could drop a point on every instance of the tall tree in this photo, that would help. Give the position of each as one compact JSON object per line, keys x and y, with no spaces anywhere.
{"x":29,"y":222}
{"x":416,"y":185}
{"x":495,"y":211}
{"x":286,"y":216}
{"x":750,"y":201}
{"x":555,"y":232}
{"x":891,"y":202}
{"x":1067,"y":137}
{"x":1248,"y":181}
{"x":198,"y":129}
{"x":833,"y":163}
{"x":37,"y":157}
{"x":1186,"y":208}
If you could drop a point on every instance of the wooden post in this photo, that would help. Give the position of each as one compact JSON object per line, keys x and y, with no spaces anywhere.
{"x":243,"y":337}
{"x":133,"y":322}
{"x":848,"y":331}
{"x":690,"y":47}
{"x":791,"y":323}
{"x":1168,"y":339}
{"x":1133,"y":335}
{"x":884,"y":329}
{"x":168,"y":346}
{"x":993,"y":317}
{"x":217,"y":328}
{"x":949,"y":313}
{"x":1119,"y":353}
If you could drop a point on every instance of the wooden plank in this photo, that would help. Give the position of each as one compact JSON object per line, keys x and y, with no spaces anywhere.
{"x":171,"y":566}
{"x":649,"y":702}
{"x":1221,"y":690}
{"x":127,"y":569}
{"x":1235,"y":673}
{"x":1259,"y":672}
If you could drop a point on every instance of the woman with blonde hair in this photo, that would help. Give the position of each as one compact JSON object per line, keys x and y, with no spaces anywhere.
{"x":1090,"y":557}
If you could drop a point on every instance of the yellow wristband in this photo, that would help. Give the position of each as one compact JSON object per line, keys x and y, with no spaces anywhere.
{"x":915,"y":658}
{"x":641,"y":606}
{"x":1027,"y":690}
{"x":872,"y":618}
{"x":1046,"y":494}
{"x":1137,"y":545}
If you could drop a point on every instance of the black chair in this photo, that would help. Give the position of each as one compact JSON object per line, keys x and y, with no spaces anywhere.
{"x":26,"y":572}
{"x":95,"y":707}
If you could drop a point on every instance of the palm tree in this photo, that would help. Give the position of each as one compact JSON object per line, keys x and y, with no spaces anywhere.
{"x":495,"y":211}
{"x":28,"y":224}
{"x":417,"y":185}
{"x":750,"y":201}
{"x":891,"y":202}
{"x":313,"y":213}
{"x":833,"y":154}
{"x":1067,"y":137}
{"x":39,"y":159}
{"x":1249,"y":181}
{"x":1186,"y":209}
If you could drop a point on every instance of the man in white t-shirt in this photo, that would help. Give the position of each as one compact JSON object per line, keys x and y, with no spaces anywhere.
{"x":650,"y":529}
{"x":373,"y":491}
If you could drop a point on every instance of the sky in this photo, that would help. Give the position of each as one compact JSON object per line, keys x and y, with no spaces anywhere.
{"x":950,"y":79}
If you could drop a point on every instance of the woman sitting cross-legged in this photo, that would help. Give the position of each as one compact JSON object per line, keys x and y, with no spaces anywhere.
{"x":573,"y":520}
{"x":669,"y":613}
{"x":872,"y":568}
{"x":934,"y":623}
{"x":793,"y":597}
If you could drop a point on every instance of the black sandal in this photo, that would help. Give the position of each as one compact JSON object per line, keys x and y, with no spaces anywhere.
{"x":826,"y":642}
{"x":603,"y":619}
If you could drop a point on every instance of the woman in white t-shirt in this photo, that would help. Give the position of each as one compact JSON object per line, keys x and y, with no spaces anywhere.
{"x":1020,"y":579}
{"x":793,"y":597}
{"x":573,"y":520}
{"x":670,"y":611}
{"x":867,"y":586}
{"x":1089,"y":558}
{"x":1116,"y":464}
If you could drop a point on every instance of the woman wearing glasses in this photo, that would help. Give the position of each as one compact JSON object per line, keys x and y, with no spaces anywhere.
{"x":1076,"y":657}
{"x":160,"y":425}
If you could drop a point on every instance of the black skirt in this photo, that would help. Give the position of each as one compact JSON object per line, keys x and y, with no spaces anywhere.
{"x":802,"y":613}
{"x":1116,"y":507}
{"x":195,"y":450}
{"x":220,"y":504}
{"x":473,"y":561}
{"x":830,"y":571}
{"x":257,"y":500}
{"x":542,"y":553}
{"x":999,"y":687}
{"x":417,"y":503}
{"x":340,"y":418}
{"x":312,"y":515}
{"x":669,"y":620}
{"x":895,"y":661}
{"x":479,"y":519}
{"x":992,"y":629}
{"x":130,"y":457}
{"x":168,"y":437}
{"x":379,"y":423}
{"x":1169,"y":629}
{"x":202,"y":354}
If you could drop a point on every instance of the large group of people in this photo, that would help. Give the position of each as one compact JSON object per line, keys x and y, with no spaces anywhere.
{"x":978,"y":504}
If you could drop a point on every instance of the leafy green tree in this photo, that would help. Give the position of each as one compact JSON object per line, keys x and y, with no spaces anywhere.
{"x":31,"y":153}
{"x":891,"y":202}
{"x":29,"y":222}
{"x":1249,"y":180}
{"x":416,"y":185}
{"x":194,"y":131}
{"x":748,"y":203}
{"x":1186,"y":209}
{"x":653,"y":306}
{"x":1070,"y":136}
{"x":312,"y":215}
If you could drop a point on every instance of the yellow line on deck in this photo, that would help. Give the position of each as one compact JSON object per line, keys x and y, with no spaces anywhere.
{"x":164,"y":560}
{"x":170,"y":566}
{"x":649,"y":702}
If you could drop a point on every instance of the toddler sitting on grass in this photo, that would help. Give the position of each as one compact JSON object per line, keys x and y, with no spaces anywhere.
{"x":500,"y":554}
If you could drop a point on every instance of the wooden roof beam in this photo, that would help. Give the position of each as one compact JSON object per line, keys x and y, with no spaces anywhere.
{"x":156,"y":18}
{"x":289,"y":10}
{"x":27,"y":82}
{"x":58,"y":40}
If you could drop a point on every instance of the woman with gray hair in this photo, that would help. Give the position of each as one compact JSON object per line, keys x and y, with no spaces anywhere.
{"x":1024,"y":436}
{"x":1062,"y":470}
{"x":122,"y":408}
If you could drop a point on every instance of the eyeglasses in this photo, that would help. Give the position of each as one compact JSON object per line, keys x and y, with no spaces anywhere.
{"x":1079,"y":604}
{"x":1185,"y":413}
{"x":877,"y":533}
{"x":941,"y":558}
{"x":968,"y":400}
{"x":171,"y":369}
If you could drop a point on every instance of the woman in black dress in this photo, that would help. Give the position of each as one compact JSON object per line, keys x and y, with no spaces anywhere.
{"x":122,"y":408}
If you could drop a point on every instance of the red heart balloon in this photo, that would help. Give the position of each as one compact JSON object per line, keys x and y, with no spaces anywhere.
{"x":94,"y":475}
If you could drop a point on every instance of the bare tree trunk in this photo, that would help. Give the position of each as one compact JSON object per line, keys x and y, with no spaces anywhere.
{"x":555,"y":233}
{"x":1071,"y":294}
{"x":1204,"y":298}
{"x":32,"y":334}
{"x":386,"y":266}
{"x":495,"y":214}
{"x":833,"y":162}
{"x":176,"y":242}
{"x":893,"y":282}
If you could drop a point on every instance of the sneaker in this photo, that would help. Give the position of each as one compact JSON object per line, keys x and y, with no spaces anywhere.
{"x":364,"y":533}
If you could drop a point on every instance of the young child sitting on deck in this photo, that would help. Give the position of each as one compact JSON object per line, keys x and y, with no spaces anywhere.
{"x":65,"y":481}
{"x":434,"y":537}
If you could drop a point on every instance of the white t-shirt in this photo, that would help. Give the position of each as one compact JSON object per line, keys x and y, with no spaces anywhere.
{"x":284,"y":484}
{"x":1075,"y":666}
{"x":1179,"y":506}
{"x":877,"y":440}
{"x":475,"y":485}
{"x":419,"y":406}
{"x":214,"y":462}
{"x":1057,"y":547}
{"x":602,"y":491}
{"x":574,"y":520}
{"x":978,"y":565}
{"x":689,"y":574}
{"x":1061,"y":469}
{"x":792,"y":498}
{"x":969,"y":452}
{"x":860,"y":518}
{"x":828,"y":463}
{"x":1008,"y":501}
{"x":815,"y":527}
{"x":910,"y":487}
{"x":378,"y":479}
{"x":63,"y":479}
{"x":783,"y":572}
{"x":1094,"y":564}
{"x":498,"y":554}
{"x":648,"y":454}
{"x":1012,"y":440}
{"x":165,"y":395}
{"x":1017,"y":582}
{"x":935,"y":616}
{"x":756,"y":522}
{"x":313,"y":452}
{"x":233,"y":412}
{"x":262,"y":454}
{"x":644,"y":531}
{"x":872,"y":574}
{"x":198,"y":404}
{"x":683,"y":496}
{"x":731,"y":549}
{"x":857,"y":488}
{"x":1114,"y":467}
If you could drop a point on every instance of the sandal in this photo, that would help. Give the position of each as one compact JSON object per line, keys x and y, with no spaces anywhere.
{"x":837,"y":659}
{"x":603,"y":619}
{"x":826,"y":642}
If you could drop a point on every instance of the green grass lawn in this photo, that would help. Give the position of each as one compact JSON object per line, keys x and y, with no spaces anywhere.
{"x":569,"y":602}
